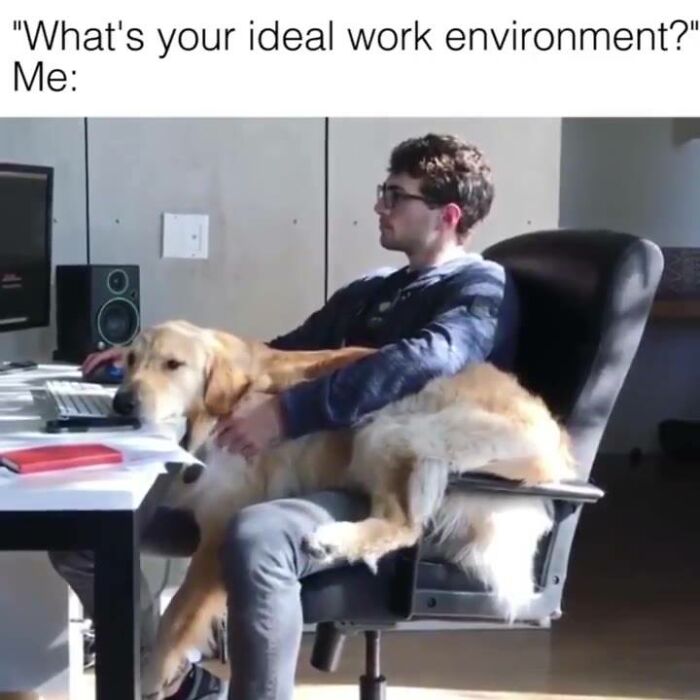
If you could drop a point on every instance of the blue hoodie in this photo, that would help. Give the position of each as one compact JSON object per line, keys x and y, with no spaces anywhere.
{"x":426,"y":323}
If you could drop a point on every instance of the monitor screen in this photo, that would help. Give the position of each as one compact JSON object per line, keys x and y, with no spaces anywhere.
{"x":25,"y":245}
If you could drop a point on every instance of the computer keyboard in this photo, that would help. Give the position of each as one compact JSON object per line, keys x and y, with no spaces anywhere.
{"x":80,"y":399}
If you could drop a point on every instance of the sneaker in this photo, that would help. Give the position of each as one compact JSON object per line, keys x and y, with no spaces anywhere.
{"x":199,"y":684}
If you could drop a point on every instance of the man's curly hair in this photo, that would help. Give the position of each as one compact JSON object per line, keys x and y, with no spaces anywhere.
{"x":450,"y":171}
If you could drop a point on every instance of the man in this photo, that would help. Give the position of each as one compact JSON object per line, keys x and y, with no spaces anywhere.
{"x":444,"y":309}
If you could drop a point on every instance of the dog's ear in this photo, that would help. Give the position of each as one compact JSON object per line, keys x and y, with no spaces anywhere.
{"x":199,"y":427}
{"x":187,"y":437}
{"x":224,"y":386}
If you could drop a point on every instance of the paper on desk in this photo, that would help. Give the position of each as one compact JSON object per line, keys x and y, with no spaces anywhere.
{"x":140,"y":448}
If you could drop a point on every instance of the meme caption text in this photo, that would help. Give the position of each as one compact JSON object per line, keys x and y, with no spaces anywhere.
{"x":32,"y":70}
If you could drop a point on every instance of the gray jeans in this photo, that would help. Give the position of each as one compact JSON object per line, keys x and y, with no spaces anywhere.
{"x":263,"y":562}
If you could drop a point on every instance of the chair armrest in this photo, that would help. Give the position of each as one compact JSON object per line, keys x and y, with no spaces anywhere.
{"x":570,"y":491}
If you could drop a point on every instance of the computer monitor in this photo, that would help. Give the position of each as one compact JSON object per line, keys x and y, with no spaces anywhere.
{"x":26,"y":194}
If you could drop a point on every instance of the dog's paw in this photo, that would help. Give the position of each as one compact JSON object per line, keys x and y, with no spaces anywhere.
{"x":162,"y":675}
{"x":152,"y":688}
{"x":149,"y":694}
{"x":372,"y":562}
{"x":318,"y":550}
{"x":156,"y":689}
{"x":152,"y":691}
{"x":330,"y":542}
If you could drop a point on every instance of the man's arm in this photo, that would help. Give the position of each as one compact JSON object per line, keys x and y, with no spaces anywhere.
{"x":462,"y":332}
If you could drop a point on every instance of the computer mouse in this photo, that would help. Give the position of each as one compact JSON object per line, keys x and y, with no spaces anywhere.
{"x":107,"y":373}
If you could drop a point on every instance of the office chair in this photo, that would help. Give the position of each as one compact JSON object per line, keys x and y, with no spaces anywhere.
{"x":584,"y":297}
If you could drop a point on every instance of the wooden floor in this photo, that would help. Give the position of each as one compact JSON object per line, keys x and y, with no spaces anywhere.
{"x":631,"y":627}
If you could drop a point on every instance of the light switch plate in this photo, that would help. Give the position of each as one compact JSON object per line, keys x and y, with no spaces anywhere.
{"x":185,"y":235}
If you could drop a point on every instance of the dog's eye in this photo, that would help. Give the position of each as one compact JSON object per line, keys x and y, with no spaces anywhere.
{"x":174,"y":364}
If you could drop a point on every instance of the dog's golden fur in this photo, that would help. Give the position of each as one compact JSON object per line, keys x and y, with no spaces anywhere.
{"x":478,"y":420}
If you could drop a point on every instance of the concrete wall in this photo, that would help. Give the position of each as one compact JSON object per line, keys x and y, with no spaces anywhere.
{"x":260,"y":181}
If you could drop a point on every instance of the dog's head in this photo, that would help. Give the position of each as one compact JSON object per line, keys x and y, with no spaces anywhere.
{"x":177,"y":370}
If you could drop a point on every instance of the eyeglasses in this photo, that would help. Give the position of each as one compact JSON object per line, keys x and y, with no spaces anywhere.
{"x":390,"y":196}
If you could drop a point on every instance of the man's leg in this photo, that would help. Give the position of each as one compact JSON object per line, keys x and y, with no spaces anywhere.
{"x":263,"y":561}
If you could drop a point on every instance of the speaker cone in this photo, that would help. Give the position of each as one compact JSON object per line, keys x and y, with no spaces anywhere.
{"x":118,"y":322}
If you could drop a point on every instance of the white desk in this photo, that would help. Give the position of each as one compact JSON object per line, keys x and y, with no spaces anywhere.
{"x":103,"y":509}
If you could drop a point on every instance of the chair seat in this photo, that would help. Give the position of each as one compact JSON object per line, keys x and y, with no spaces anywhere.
{"x":439,"y":575}
{"x":355,"y":593}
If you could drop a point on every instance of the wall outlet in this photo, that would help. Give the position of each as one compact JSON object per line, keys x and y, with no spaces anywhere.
{"x":185,"y":235}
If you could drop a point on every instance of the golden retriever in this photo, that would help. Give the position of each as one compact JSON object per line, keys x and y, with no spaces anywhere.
{"x":480,"y":419}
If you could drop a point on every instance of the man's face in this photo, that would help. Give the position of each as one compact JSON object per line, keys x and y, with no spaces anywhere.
{"x":406,"y":222}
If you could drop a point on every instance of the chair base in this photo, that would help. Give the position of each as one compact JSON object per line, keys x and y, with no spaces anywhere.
{"x":328,"y":647}
{"x":372,"y":683}
{"x":372,"y":688}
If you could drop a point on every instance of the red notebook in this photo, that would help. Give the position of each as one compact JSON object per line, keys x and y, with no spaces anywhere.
{"x":49,"y":458}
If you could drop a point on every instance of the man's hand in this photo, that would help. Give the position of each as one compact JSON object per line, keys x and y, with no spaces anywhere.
{"x":255,"y":424}
{"x":96,"y":359}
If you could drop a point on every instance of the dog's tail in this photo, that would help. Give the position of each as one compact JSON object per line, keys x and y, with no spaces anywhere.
{"x":503,"y":534}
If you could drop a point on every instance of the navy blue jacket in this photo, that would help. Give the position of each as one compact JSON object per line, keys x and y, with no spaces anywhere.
{"x":426,"y":323}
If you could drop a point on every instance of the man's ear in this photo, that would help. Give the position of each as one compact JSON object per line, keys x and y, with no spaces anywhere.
{"x":224,"y":386}
{"x":451,"y":216}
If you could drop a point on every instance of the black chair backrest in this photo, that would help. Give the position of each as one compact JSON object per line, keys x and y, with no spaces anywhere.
{"x":585,"y":297}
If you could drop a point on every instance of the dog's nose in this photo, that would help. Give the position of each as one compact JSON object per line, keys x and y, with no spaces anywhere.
{"x":125,"y":402}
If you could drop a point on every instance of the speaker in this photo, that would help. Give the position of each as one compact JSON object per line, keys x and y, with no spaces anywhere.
{"x":97,"y":307}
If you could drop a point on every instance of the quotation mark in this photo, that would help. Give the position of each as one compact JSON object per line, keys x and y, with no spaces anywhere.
{"x":17,"y":25}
